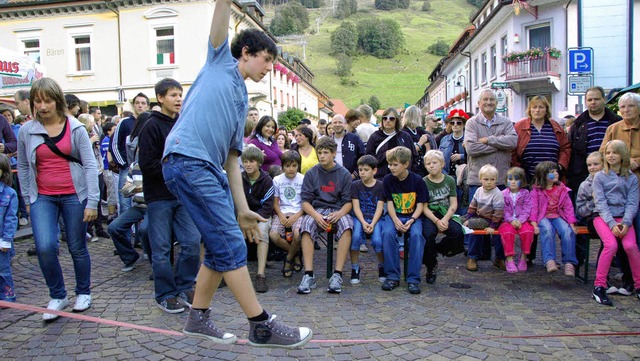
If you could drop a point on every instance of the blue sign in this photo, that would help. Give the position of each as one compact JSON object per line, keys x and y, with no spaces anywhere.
{"x":580,"y":60}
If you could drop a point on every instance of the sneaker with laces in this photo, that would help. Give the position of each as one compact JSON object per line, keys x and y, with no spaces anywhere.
{"x":186,"y":297}
{"x":611,"y":289}
{"x":382,"y":275}
{"x":307,"y":284}
{"x":57,"y":304}
{"x":273,"y":333}
{"x":511,"y":267}
{"x":200,"y":325}
{"x":390,"y":285}
{"x":335,"y":284}
{"x":171,"y":305}
{"x":131,"y":265}
{"x":625,"y":290}
{"x":552,"y":266}
{"x":83,"y":302}
{"x":569,"y":270}
{"x":522,"y":263}
{"x":413,"y":288}
{"x":355,"y":276}
{"x":261,"y":284}
{"x":363,"y":248}
{"x":600,"y":295}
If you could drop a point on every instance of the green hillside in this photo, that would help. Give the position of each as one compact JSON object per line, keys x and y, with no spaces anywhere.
{"x":394,"y":81}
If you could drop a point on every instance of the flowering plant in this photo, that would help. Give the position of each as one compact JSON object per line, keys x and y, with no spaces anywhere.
{"x":553,"y":52}
{"x":532,"y":53}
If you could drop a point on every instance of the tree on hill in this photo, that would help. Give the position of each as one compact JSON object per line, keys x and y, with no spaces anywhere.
{"x":312,"y":4}
{"x":346,"y":8}
{"x":345,"y":39}
{"x":386,"y":4}
{"x":290,"y":118}
{"x":290,"y":18}
{"x":426,"y":5}
{"x":440,"y":48}
{"x":374,"y":103}
{"x":403,"y":4}
{"x":343,"y":65}
{"x":380,"y":38}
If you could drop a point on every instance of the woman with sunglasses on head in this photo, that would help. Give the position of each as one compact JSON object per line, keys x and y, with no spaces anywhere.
{"x":422,"y":140}
{"x":452,"y":147}
{"x":388,"y":137}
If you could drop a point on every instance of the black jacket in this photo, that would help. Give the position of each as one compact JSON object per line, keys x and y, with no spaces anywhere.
{"x":577,"y":171}
{"x":151,"y":143}
{"x":352,"y":149}
{"x":401,"y":139}
{"x":259,"y":194}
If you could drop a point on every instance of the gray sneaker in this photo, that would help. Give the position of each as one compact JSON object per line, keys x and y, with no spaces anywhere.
{"x":273,"y":333}
{"x":307,"y":284}
{"x":171,"y":305}
{"x":199,"y":325}
{"x":335,"y":284}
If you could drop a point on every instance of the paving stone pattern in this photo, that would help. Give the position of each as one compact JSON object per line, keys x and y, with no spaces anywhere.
{"x":364,"y":322}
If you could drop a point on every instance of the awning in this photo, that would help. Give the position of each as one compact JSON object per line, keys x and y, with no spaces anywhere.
{"x":631,"y":88}
{"x":18,"y":70}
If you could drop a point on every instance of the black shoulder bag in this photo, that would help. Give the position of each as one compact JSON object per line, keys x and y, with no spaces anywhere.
{"x":54,"y":148}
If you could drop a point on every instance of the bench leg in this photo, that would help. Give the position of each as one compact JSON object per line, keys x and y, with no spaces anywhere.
{"x":583,"y":275}
{"x":329,"y":254}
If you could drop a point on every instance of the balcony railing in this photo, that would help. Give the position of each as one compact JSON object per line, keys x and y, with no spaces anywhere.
{"x":545,"y":65}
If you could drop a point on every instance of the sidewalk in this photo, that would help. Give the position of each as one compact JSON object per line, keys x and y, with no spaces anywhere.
{"x":364,"y":322}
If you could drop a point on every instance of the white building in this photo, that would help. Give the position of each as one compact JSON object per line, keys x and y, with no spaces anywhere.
{"x":501,"y":29}
{"x":106,"y":52}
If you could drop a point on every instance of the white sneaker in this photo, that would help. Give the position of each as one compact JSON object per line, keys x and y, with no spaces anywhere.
{"x":363,"y":248}
{"x":83,"y":302}
{"x":57,"y":304}
{"x":23,"y":222}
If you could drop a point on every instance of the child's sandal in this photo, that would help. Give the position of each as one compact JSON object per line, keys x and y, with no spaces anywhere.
{"x":297,"y":264}
{"x":287,"y":271}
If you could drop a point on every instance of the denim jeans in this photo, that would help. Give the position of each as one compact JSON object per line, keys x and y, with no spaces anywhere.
{"x":120,"y":229}
{"x":124,"y":202}
{"x":44,"y":222}
{"x":7,"y":292}
{"x":391,"y":249}
{"x":359,"y":236}
{"x":204,"y":191}
{"x":168,"y":219}
{"x":548,"y":228}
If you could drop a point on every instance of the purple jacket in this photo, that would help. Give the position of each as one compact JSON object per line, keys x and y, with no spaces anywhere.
{"x":539,"y":202}
{"x":522,"y":207}
{"x":272,"y":153}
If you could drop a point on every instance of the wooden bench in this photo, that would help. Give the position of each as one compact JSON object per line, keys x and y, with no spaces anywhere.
{"x":583,"y":275}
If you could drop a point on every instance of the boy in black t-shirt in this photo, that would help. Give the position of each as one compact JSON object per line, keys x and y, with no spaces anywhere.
{"x":405,"y":192}
{"x":367,"y":196}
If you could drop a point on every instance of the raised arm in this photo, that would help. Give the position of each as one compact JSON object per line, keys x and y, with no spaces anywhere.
{"x":220,"y":23}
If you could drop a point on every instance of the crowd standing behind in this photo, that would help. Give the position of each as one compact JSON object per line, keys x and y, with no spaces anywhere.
{"x":392,"y":186}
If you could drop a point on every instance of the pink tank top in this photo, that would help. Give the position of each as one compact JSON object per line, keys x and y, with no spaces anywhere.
{"x":53,"y":174}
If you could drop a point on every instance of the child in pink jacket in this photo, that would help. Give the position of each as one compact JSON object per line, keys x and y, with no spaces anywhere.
{"x":551,"y":213}
{"x":517,"y":209}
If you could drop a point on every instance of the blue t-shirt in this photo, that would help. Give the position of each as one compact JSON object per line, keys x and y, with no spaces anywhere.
{"x":367,"y":197}
{"x":406,"y":193}
{"x":212,"y":119}
{"x":104,"y":148}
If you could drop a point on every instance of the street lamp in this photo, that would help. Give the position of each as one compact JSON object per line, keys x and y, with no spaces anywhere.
{"x":463,"y":84}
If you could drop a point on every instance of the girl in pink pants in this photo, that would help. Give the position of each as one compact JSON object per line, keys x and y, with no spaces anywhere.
{"x":615,"y":191}
{"x":517,"y":208}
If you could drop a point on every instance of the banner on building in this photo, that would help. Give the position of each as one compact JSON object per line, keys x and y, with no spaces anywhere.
{"x":18,"y":70}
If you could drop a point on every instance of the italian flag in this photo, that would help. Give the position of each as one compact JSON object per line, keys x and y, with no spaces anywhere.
{"x":166,"y":58}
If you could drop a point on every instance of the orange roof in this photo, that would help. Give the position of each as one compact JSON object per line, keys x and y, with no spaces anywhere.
{"x":339,"y":107}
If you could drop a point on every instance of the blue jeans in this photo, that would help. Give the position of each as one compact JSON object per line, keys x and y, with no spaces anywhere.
{"x":204,"y":191}
{"x":168,"y":219}
{"x":124,"y":202}
{"x":548,"y":228}
{"x":7,"y":292}
{"x":120,"y":229}
{"x":44,"y":222}
{"x":359,"y":236}
{"x":391,"y":249}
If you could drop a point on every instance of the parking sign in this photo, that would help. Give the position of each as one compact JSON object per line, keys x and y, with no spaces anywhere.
{"x":580,"y":60}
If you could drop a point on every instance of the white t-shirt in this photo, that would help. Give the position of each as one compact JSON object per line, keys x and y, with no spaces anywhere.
{"x":288,"y":192}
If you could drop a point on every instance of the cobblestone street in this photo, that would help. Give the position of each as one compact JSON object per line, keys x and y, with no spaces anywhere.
{"x":364,"y":322}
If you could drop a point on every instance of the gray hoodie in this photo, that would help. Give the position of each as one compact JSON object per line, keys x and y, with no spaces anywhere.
{"x":84,"y":177}
{"x":616,"y":196}
{"x":327,"y":189}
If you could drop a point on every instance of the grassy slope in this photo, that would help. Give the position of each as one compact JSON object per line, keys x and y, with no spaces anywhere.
{"x":395,"y":81}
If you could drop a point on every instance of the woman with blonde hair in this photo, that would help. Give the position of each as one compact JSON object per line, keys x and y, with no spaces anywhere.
{"x":421,"y":138}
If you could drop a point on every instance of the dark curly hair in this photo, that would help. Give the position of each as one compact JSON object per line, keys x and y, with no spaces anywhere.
{"x":255,"y":40}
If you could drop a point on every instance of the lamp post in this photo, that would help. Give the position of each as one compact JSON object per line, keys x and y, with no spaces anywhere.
{"x":463,"y":84}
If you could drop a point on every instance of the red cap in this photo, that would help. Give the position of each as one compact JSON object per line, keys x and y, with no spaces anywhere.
{"x":458,"y":113}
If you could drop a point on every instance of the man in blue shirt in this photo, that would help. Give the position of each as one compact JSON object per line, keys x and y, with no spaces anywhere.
{"x":201,"y":169}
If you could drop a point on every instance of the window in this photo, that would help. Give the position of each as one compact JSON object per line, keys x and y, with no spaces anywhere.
{"x":82,"y":52}
{"x":475,"y":73}
{"x":483,"y":72}
{"x":32,"y":49}
{"x":494,"y":61}
{"x":503,"y":52}
{"x":165,"y":53}
{"x":540,"y":37}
